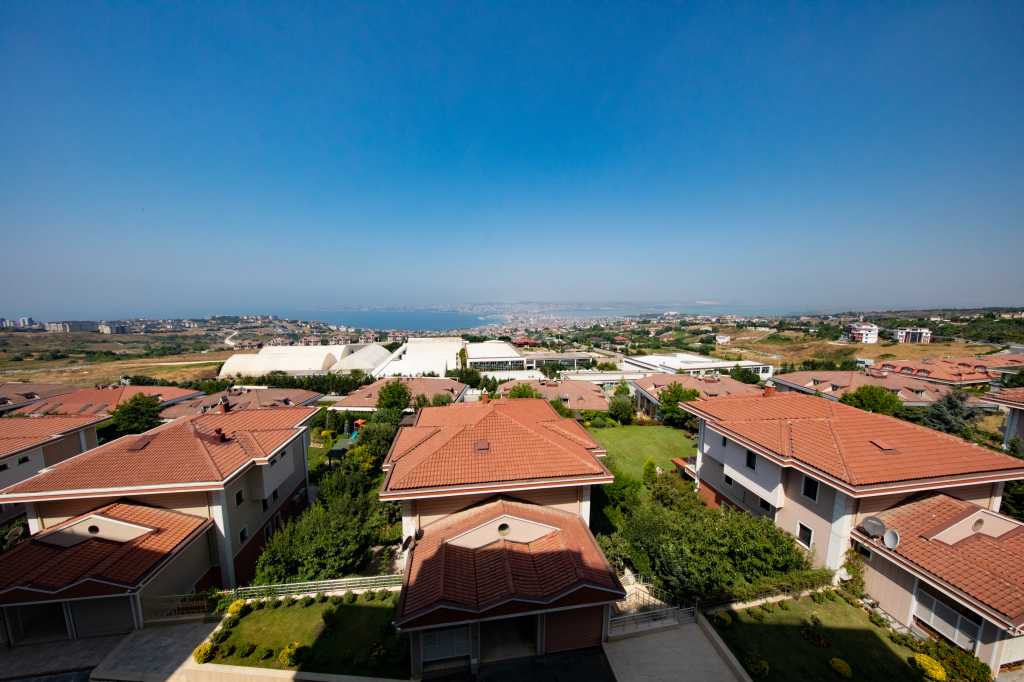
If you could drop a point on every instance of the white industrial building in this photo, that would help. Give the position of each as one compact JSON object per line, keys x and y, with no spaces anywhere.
{"x":305,"y":360}
{"x":437,"y":355}
{"x":694,"y":365}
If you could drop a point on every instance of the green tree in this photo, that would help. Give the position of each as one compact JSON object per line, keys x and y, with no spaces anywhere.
{"x":873,"y":399}
{"x":421,"y":401}
{"x":622,"y":388}
{"x":951,"y":414}
{"x":140,"y":413}
{"x":441,"y":399}
{"x":522,"y":391}
{"x":650,"y":473}
{"x":561,"y":408}
{"x":745,"y":375}
{"x":550,"y":370}
{"x":463,"y":358}
{"x":1013,"y":380}
{"x":668,"y":404}
{"x":394,"y":395}
{"x":620,"y":408}
{"x":607,"y":366}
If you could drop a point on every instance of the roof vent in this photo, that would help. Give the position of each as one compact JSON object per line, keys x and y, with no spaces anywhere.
{"x":221,"y":436}
{"x":482,"y":446}
{"x":139,"y":443}
{"x":882,"y":445}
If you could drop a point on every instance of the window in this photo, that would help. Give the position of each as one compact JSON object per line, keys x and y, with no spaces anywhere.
{"x":764,"y":504}
{"x":862,"y":550}
{"x":239,"y":498}
{"x":3,"y":467}
{"x":751,"y":461}
{"x":23,"y":460}
{"x":243,"y":535}
{"x":273,"y":495}
{"x":810,"y":489}
{"x":723,"y":441}
{"x":266,"y":505}
{"x":273,"y":462}
{"x":804,"y":534}
{"x":728,"y":479}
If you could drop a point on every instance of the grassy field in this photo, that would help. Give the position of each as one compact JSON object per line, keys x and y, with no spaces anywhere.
{"x":362,"y":643}
{"x":630,"y":446}
{"x":849,"y":633}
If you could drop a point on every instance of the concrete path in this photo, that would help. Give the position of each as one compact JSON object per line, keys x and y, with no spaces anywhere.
{"x":38,"y":660}
{"x":682,"y":653}
{"x":153,"y":653}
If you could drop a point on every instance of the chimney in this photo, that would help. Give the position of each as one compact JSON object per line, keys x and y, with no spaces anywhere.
{"x":220,"y":434}
{"x":485,"y":397}
{"x":223,"y":406}
{"x":769,"y":391}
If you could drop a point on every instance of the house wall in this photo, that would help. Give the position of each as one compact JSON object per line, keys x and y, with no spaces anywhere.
{"x":765,"y":480}
{"x":429,"y":510}
{"x":573,"y":629}
{"x":52,"y":513}
{"x":180,"y":575}
{"x":62,"y":449}
{"x":1014,"y":426}
{"x":91,"y":439}
{"x":15,"y":473}
{"x":983,"y":495}
{"x":890,"y":586}
{"x":816,"y":515}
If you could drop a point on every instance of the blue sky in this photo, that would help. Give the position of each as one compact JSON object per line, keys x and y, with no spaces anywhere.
{"x":179,"y":159}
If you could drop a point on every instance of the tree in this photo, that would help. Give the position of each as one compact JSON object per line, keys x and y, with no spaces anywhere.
{"x":873,"y":399}
{"x":668,"y":404}
{"x":1014,"y":380}
{"x":441,"y":399}
{"x":561,"y":408}
{"x":745,"y":375}
{"x":394,"y":395}
{"x":550,"y":370}
{"x":463,"y":358}
{"x":138,"y":414}
{"x":522,"y":391}
{"x":951,"y":414}
{"x":421,"y":401}
{"x":620,"y":408}
{"x":622,"y":388}
{"x":469,"y":376}
{"x":607,"y":366}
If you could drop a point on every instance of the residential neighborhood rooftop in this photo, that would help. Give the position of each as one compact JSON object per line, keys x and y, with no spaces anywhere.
{"x":852,"y":446}
{"x":15,"y":394}
{"x":956,"y":370}
{"x":105,"y":400}
{"x":1011,"y":397}
{"x":838,"y":383}
{"x":19,"y":434}
{"x":576,"y":395}
{"x":365,"y":397}
{"x":491,"y":445}
{"x":197,"y":453}
{"x":241,"y":399}
{"x":707,"y":386}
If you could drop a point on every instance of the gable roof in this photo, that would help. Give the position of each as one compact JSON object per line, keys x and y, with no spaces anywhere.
{"x":366,"y":397}
{"x":21,"y":433}
{"x":41,"y":567}
{"x":502,"y":444}
{"x":241,"y":399}
{"x":197,"y":453}
{"x":470,"y":580}
{"x":987,"y":568}
{"x":838,"y":383}
{"x":14,"y":394}
{"x":1011,"y":397}
{"x":955,"y":370}
{"x":104,"y":400}
{"x":708,"y":386}
{"x":855,"y":447}
{"x":576,"y":395}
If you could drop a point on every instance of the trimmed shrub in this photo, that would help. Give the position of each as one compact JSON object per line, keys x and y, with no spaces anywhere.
{"x":329,"y":616}
{"x":336,"y":599}
{"x":722,"y":619}
{"x":878,"y":619}
{"x":257,"y":605}
{"x":220,"y":635}
{"x":321,"y":597}
{"x":758,"y":667}
{"x":245,"y":649}
{"x":818,"y":597}
{"x":276,"y":604}
{"x":811,"y":631}
{"x":830,"y":595}
{"x":292,"y":654}
{"x":767,"y":607}
{"x":369,"y":595}
{"x":203,"y":653}
{"x":290,"y":601}
{"x":225,"y":650}
{"x":239,"y":608}
{"x":265,"y":653}
{"x":350,"y":597}
{"x":307,"y":601}
{"x":842,"y":668}
{"x":929,"y":667}
{"x":229,"y":622}
{"x":756,"y":613}
{"x":383,"y":595}
{"x":784,"y":605}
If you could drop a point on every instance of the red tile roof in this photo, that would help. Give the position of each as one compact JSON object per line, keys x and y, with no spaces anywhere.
{"x":21,"y":433}
{"x":954,"y":370}
{"x":104,"y":400}
{"x":986,"y":568}
{"x":709,"y":387}
{"x":856,"y":447}
{"x":45,"y":567}
{"x":1011,"y":397}
{"x":186,"y":452}
{"x":837,"y":384}
{"x":15,"y":393}
{"x":576,"y":395}
{"x":242,"y":399}
{"x":490,"y":444}
{"x":561,"y":557}
{"x":366,"y":396}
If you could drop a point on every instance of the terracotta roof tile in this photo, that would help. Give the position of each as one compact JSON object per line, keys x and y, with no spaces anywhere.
{"x":16,"y":394}
{"x":103,"y":400}
{"x":475,"y":579}
{"x":576,"y":395}
{"x":188,"y":450}
{"x":366,"y":396}
{"x":1011,"y":397}
{"x":486,"y":443}
{"x":955,"y":370}
{"x":709,"y":387}
{"x":846,"y":442}
{"x":836,"y":384}
{"x":241,"y":399}
{"x":18,"y":434}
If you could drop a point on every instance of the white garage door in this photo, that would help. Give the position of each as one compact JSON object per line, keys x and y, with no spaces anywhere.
{"x":446,"y":643}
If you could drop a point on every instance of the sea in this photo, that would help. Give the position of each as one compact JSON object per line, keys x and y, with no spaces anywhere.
{"x":401,"y":320}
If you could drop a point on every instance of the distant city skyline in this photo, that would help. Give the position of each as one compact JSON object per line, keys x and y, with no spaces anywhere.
{"x":178,"y":160}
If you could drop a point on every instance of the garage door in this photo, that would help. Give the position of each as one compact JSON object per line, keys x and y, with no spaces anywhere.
{"x":574,"y":629}
{"x":446,"y":643}
{"x":109,"y":616}
{"x":1013,"y":650}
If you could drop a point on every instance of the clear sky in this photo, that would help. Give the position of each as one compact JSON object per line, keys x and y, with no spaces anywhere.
{"x":183,"y":159}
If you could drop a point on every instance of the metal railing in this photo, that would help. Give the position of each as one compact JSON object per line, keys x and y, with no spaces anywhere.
{"x":313,"y":587}
{"x":646,"y":620}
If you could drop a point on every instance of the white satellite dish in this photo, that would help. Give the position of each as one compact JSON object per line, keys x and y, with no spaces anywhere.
{"x":891,"y":539}
{"x":873,"y":526}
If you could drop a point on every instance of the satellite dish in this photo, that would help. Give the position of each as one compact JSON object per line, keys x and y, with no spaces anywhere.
{"x":873,"y":526}
{"x":891,"y":539}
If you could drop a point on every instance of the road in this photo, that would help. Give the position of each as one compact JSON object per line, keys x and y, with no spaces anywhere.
{"x":229,"y":339}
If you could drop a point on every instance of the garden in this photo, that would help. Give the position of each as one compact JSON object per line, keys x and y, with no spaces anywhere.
{"x":828,"y":635}
{"x":629,"y":447}
{"x":342,"y":634}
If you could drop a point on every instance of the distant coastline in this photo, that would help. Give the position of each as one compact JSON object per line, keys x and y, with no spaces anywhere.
{"x":401,"y":320}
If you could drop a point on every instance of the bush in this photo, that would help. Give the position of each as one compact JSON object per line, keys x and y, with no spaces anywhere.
{"x":350,"y":597}
{"x":842,"y":668}
{"x":784,"y":605}
{"x":225,"y":650}
{"x":229,"y":622}
{"x":767,"y":607}
{"x":329,"y":616}
{"x":878,"y":619}
{"x":756,"y":613}
{"x":220,"y":635}
{"x":308,"y":601}
{"x":383,"y":595}
{"x":203,"y":653}
{"x":290,"y":601}
{"x":292,"y":654}
{"x":276,"y":604}
{"x":258,"y":605}
{"x":369,"y":595}
{"x":811,"y":631}
{"x":265,"y":653}
{"x":321,"y":597}
{"x":929,"y":667}
{"x":818,"y":597}
{"x":239,"y":608}
{"x":245,"y":649}
{"x":758,"y":667}
{"x":722,"y":619}
{"x":336,"y":599}
{"x":830,"y":595}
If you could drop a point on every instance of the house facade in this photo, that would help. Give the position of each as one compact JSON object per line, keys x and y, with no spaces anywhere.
{"x":185,"y":506}
{"x":1012,"y":399}
{"x":820,"y":469}
{"x":499,"y":559}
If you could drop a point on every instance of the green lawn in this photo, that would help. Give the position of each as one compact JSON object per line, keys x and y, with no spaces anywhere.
{"x":630,"y":446}
{"x":362,"y":643}
{"x":851,"y":637}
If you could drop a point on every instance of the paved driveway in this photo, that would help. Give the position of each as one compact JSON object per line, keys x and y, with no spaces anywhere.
{"x":153,"y":653}
{"x":672,"y":655}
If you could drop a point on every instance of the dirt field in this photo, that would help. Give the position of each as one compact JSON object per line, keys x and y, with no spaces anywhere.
{"x":794,"y":347}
